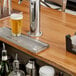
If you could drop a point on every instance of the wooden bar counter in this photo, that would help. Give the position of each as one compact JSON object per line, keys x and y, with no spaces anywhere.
{"x":55,"y":25}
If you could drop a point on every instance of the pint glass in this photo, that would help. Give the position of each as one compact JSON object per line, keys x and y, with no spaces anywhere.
{"x":16,"y":23}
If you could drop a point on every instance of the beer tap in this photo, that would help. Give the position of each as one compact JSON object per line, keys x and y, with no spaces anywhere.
{"x":34,"y":18}
{"x":0,"y":8}
{"x":5,"y":8}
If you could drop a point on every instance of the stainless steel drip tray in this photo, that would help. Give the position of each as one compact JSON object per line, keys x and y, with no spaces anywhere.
{"x":24,"y":41}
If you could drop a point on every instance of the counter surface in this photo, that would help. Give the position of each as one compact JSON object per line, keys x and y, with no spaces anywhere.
{"x":54,"y":25}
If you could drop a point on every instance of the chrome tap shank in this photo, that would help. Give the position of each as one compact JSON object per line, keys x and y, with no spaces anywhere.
{"x":0,"y":11}
{"x":0,"y":8}
{"x":35,"y":18}
{"x":9,"y":7}
{"x":5,"y":8}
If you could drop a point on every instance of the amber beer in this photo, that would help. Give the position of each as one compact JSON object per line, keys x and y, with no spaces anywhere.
{"x":16,"y":24}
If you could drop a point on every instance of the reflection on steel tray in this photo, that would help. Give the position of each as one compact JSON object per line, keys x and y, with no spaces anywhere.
{"x":24,"y":41}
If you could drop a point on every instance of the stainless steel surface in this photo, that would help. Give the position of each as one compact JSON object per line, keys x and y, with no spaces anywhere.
{"x":0,"y":10}
{"x":10,"y":8}
{"x":26,"y":42}
{"x":0,"y":7}
{"x":34,"y":18}
{"x":7,"y":7}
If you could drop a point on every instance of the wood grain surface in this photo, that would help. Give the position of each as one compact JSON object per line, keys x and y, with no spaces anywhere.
{"x":55,"y":25}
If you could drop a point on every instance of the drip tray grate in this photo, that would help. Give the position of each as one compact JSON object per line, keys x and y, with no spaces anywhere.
{"x":24,"y":41}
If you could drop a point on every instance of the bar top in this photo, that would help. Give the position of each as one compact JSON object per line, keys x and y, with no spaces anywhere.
{"x":55,"y":25}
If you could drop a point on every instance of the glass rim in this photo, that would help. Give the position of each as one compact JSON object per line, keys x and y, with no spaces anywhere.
{"x":16,"y":16}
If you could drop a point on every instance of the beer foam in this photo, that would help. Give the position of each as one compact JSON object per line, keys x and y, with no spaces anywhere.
{"x":16,"y":16}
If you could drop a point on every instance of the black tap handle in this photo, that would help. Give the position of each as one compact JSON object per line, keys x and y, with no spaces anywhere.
{"x":68,"y":43}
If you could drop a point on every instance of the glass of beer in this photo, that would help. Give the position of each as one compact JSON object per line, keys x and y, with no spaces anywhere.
{"x":16,"y":23}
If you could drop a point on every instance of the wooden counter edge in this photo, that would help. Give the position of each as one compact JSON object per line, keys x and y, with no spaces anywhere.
{"x":36,"y":56}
